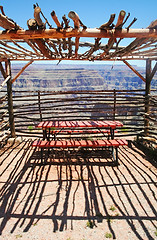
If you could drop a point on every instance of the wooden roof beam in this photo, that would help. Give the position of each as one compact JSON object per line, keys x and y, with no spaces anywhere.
{"x":120,"y":19}
{"x":43,"y":48}
{"x":7,"y":23}
{"x":134,"y":70}
{"x":107,"y":25}
{"x":2,"y":70}
{"x":112,"y":39}
{"x":153,"y":72}
{"x":55,"y":19}
{"x":37,"y":11}
{"x":76,"y":46}
{"x":77,"y":22}
{"x":5,"y":81}
{"x":70,"y":32}
{"x":21,"y":71}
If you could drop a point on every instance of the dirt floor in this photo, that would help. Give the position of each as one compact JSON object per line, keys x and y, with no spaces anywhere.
{"x":77,"y":196}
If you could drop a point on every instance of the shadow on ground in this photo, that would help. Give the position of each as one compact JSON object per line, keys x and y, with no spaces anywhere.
{"x":78,"y":186}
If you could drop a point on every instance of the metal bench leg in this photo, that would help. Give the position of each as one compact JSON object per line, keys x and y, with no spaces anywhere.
{"x":115,"y":157}
{"x":41,"y":155}
{"x":48,"y":153}
{"x":42,"y":150}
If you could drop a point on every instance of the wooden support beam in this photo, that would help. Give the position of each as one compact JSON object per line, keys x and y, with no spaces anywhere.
{"x":32,"y":24}
{"x":76,"y":46}
{"x":2,"y":71}
{"x":10,"y":99}
{"x":53,"y":45}
{"x":55,"y":19}
{"x":153,"y":24}
{"x":153,"y":72}
{"x":66,"y":22}
{"x":37,"y":11}
{"x":69,"y":47}
{"x":1,"y":8}
{"x":74,"y":16}
{"x":70,"y":32}
{"x":109,"y":45}
{"x":64,"y":45}
{"x":7,"y":23}
{"x":21,"y":71}
{"x":5,"y":81}
{"x":43,"y":48}
{"x":120,"y":19}
{"x":77,"y":22}
{"x":147,"y":95}
{"x":107,"y":24}
{"x":134,"y":70}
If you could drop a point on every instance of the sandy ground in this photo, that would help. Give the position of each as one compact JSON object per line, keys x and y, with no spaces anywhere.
{"x":76,"y":196}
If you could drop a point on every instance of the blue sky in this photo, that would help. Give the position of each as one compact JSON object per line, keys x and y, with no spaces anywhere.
{"x":92,"y":13}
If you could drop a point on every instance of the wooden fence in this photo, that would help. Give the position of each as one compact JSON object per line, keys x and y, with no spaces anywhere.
{"x":127,"y":106}
{"x":152,"y":116}
{"x":4,"y":119}
{"x":31,"y":107}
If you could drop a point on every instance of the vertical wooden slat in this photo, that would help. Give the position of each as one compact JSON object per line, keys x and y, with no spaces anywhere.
{"x":40,"y":113}
{"x":76,"y":46}
{"x":39,"y":104}
{"x":114,"y":107}
{"x":10,"y":99}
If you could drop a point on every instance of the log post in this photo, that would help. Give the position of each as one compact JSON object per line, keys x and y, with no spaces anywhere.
{"x":7,"y":23}
{"x":114,"y":106}
{"x":55,"y":19}
{"x":37,"y":11}
{"x":76,"y":46}
{"x":74,"y":16}
{"x":147,"y":94}
{"x":32,"y":24}
{"x":120,"y":19}
{"x":107,"y":24}
{"x":77,"y":22}
{"x":10,"y":99}
{"x":39,"y":104}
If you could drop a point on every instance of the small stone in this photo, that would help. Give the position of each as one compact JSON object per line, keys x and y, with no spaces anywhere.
{"x":11,"y":140}
{"x":18,"y":139}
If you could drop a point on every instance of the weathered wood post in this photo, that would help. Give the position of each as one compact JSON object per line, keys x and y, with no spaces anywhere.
{"x":114,"y":106}
{"x":147,"y":96}
{"x":10,"y":99}
{"x":39,"y":104}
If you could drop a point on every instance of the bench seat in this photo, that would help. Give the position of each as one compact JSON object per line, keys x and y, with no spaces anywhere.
{"x":82,"y":131}
{"x":79,"y":143}
{"x":113,"y":143}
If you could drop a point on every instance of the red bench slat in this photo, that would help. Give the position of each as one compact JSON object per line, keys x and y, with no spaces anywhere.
{"x":79,"y":143}
{"x":82,"y":131}
{"x":65,"y":124}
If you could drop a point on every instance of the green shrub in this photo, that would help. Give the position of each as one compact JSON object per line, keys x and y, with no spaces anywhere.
{"x":112,"y":208}
{"x":108,"y":235}
{"x":90,"y":224}
{"x":30,"y":128}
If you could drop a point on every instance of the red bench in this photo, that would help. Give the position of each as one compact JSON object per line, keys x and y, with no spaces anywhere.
{"x":114,"y":143}
{"x":82,"y":131}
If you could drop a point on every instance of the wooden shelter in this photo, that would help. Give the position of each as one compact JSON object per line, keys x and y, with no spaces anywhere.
{"x":42,"y":41}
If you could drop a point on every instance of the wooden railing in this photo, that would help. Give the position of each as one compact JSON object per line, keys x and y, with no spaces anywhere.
{"x":127,"y":106}
{"x":152,"y":116}
{"x":4,"y":119}
{"x":31,"y":107}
